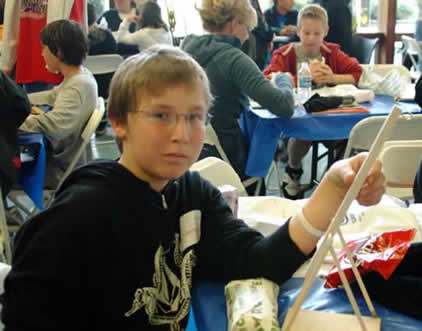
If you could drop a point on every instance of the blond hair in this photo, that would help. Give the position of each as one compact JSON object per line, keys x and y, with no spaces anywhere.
{"x":149,"y":73}
{"x":215,"y":14}
{"x":313,"y":11}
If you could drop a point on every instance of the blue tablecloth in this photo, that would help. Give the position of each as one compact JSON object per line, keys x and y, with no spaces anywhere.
{"x":31,"y":176}
{"x":209,"y":306}
{"x":263,"y":129}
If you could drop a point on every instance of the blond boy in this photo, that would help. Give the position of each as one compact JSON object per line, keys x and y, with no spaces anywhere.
{"x":123,"y":243}
{"x":329,"y":65}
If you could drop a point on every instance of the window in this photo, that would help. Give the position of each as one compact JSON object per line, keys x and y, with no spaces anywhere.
{"x":187,"y":17}
{"x":365,"y":15}
{"x":407,"y":12}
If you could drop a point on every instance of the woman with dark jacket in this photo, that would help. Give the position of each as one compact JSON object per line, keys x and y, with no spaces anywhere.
{"x":234,"y":77}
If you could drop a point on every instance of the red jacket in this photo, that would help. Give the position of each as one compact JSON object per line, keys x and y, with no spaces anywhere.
{"x":284,"y":59}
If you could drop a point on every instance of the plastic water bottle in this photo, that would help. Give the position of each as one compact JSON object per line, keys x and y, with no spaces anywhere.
{"x":304,"y":83}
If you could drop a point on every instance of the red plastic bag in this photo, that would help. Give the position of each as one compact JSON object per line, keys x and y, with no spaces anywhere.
{"x":381,"y":253}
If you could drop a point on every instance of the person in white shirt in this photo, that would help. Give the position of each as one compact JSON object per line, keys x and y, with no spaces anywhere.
{"x":152,"y":30}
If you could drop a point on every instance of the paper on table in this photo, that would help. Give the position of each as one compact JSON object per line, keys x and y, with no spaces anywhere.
{"x":347,"y":89}
{"x":408,"y":92}
{"x":343,"y":110}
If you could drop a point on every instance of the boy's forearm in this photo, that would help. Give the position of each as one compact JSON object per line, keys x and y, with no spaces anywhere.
{"x":344,"y":79}
{"x":319,"y":212}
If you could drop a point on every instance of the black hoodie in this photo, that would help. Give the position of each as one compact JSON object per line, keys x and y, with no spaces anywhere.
{"x":112,"y":254}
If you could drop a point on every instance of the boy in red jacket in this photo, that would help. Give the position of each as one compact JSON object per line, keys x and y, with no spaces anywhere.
{"x":328,"y":64}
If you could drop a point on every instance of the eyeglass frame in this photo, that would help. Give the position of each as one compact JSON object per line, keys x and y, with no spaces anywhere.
{"x":173,"y":118}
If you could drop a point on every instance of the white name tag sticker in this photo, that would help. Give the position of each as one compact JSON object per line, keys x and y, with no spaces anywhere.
{"x":190,"y":229}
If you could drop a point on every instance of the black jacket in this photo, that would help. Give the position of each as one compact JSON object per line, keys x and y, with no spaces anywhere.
{"x":262,"y":35}
{"x":15,"y":107}
{"x":271,"y":18}
{"x":109,"y":242}
{"x":417,"y":186}
{"x":340,"y":22}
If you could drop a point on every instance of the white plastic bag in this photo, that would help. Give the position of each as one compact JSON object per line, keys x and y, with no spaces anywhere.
{"x":390,"y":84}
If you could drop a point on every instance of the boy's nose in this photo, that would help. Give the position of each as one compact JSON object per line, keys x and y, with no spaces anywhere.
{"x":181,"y":129}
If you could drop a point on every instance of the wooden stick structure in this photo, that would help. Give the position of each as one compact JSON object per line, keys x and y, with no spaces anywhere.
{"x":334,"y":229}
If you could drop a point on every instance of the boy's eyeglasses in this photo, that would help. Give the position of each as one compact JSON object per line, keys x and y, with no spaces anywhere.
{"x":169,"y":119}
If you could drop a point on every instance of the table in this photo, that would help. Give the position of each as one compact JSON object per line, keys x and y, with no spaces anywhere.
{"x":32,"y":173}
{"x":263,"y":129}
{"x":209,"y":306}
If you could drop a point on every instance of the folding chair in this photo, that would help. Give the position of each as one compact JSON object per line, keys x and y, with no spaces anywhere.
{"x":408,"y":127}
{"x":103,"y":64}
{"x":413,"y":49}
{"x":80,"y":154}
{"x":363,"y":48}
{"x":219,"y":173}
{"x":211,"y":138}
{"x":400,"y":161}
{"x":103,"y":67}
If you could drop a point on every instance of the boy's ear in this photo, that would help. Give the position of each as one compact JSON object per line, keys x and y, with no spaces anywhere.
{"x":327,"y":28}
{"x":119,"y":128}
{"x":233,"y":24}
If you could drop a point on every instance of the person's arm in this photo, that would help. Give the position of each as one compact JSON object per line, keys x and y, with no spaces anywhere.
{"x":324,"y":202}
{"x":323,"y":74}
{"x":59,"y":122}
{"x":10,"y":35}
{"x":230,"y":250}
{"x":126,"y":37}
{"x":50,"y":286}
{"x":43,"y":97}
{"x":347,"y":66}
{"x":247,"y":76}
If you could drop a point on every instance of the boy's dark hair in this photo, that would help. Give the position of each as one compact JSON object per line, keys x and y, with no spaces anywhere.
{"x":92,"y":17}
{"x":151,"y":16}
{"x":66,"y":40}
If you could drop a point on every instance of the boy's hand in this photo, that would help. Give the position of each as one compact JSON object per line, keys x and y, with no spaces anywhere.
{"x":133,"y":18}
{"x":324,"y":202}
{"x":343,"y":172}
{"x":36,"y":111}
{"x":322,"y":73}
{"x":288,"y":30}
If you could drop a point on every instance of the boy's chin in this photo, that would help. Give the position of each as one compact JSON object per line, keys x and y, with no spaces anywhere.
{"x":176,"y":172}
